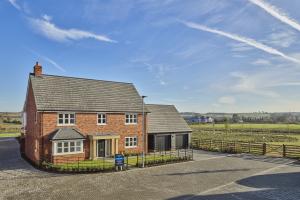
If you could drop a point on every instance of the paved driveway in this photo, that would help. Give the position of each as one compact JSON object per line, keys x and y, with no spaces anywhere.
{"x":210,"y":176}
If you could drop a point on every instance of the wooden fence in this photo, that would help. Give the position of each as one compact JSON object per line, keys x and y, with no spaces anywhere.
{"x":288,"y":151}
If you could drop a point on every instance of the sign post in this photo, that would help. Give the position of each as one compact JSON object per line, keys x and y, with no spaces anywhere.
{"x":119,"y":161}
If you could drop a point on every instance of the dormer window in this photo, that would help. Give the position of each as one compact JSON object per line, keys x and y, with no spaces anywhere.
{"x":66,"y":118}
{"x":130,"y":118}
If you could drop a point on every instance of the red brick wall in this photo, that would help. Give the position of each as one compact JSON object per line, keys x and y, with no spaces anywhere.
{"x":86,"y":123}
{"x":32,"y":129}
{"x":71,"y":158}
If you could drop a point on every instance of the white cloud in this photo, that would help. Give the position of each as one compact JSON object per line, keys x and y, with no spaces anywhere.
{"x":159,"y":71}
{"x":282,"y":39}
{"x":229,"y":100}
{"x":240,"y":47}
{"x":257,"y":84}
{"x":268,"y":82}
{"x":261,"y":62}
{"x":48,"y":29}
{"x":248,"y":41}
{"x":47,"y":17}
{"x":14,"y":4}
{"x":275,"y":12}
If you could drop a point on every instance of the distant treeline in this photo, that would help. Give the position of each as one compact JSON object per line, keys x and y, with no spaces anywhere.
{"x":262,"y":117}
{"x":10,"y":117}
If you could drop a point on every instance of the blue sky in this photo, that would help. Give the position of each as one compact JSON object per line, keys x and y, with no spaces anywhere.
{"x":201,"y":55}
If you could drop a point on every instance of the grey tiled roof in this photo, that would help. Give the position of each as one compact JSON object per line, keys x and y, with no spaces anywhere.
{"x":165,"y":119}
{"x":58,"y":93}
{"x":65,"y":134}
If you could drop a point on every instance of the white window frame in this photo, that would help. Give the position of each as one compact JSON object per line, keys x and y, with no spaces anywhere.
{"x":64,"y":118}
{"x":101,"y":119}
{"x":132,"y":142}
{"x":24,"y":119}
{"x":55,"y":147}
{"x":36,"y":144}
{"x":130,"y":118}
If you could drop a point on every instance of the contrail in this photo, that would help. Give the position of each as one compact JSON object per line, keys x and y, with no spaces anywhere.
{"x":275,"y":12}
{"x":49,"y":60}
{"x":248,"y":41}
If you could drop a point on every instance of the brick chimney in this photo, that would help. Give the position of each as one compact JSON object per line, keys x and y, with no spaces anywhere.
{"x":37,"y":69}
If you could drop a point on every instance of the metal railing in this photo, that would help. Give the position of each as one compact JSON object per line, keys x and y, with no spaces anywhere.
{"x":80,"y":164}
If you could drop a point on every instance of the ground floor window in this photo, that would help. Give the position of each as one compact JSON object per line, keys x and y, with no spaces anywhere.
{"x":68,"y":147}
{"x":130,"y":142}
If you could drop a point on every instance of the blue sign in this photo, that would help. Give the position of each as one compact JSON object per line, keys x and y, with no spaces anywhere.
{"x":119,"y":160}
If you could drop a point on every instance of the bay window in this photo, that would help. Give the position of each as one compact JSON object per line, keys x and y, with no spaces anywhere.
{"x":68,"y":147}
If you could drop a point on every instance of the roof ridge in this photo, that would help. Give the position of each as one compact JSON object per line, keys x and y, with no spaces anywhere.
{"x":152,"y":104}
{"x":91,"y":79}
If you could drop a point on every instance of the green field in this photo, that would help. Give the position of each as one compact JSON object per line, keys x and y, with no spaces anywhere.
{"x":284,"y":127}
{"x":269,"y":133}
{"x":9,"y":135}
{"x":10,"y":130}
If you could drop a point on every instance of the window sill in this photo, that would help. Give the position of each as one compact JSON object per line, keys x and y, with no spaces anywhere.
{"x":130,"y":147}
{"x":130,"y":123}
{"x":66,"y":124}
{"x":101,"y":124}
{"x":70,"y":153}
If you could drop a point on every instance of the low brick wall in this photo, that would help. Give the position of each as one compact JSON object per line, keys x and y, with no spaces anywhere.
{"x":71,"y":158}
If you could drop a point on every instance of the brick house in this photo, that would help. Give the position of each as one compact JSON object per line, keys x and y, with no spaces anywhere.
{"x":67,"y":117}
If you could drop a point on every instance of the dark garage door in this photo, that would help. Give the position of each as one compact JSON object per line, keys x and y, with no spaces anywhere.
{"x":182,"y":141}
{"x":150,"y":142}
{"x":163,"y":142}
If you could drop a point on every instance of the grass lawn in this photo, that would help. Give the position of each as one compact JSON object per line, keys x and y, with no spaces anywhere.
{"x":268,"y":133}
{"x":9,"y":135}
{"x":10,"y":128}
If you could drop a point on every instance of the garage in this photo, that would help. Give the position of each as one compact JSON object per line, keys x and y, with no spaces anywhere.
{"x":163,"y":142}
{"x":166,"y":129}
{"x":182,"y":141}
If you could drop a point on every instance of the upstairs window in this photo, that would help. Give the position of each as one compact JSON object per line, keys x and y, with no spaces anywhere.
{"x":101,"y":118}
{"x":66,"y":118}
{"x":131,"y":118}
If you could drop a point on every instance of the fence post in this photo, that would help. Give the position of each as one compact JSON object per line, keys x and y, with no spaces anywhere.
{"x":234,"y":147}
{"x":264,"y":148}
{"x":210,"y":144}
{"x":283,"y":150}
{"x":249,"y":147}
{"x":103,"y":162}
{"x":78,"y":163}
{"x":221,"y":145}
